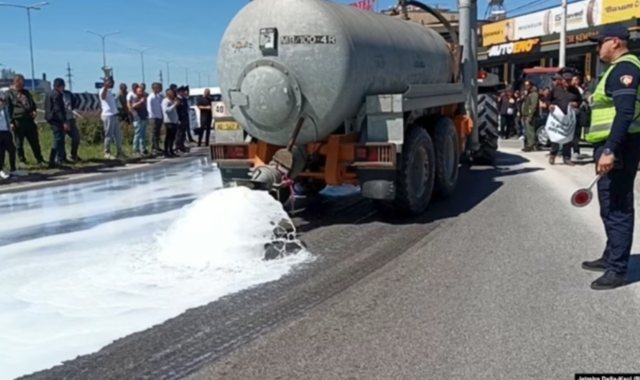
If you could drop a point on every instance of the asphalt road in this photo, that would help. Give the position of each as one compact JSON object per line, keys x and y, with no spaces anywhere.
{"x":486,"y":285}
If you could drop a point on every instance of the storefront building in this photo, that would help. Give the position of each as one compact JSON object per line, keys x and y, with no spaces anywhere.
{"x":509,"y":46}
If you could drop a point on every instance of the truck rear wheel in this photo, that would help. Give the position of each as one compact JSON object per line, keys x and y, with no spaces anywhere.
{"x":416,"y":175}
{"x":447,"y":156}
{"x":487,"y":129}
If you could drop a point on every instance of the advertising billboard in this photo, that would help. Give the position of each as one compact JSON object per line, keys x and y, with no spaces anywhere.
{"x":580,"y":15}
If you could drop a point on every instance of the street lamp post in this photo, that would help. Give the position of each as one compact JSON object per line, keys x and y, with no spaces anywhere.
{"x":168,"y":75}
{"x":28,"y":8}
{"x":103,"y":37}
{"x":141,"y":51}
{"x":563,"y":36}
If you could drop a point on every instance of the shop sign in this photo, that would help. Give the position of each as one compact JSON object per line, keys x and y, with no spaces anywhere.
{"x":496,"y":33}
{"x":519,"y":47}
{"x":580,"y":15}
{"x":618,"y":10}
{"x":581,"y":37}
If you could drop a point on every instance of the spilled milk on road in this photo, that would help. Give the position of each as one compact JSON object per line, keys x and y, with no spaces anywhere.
{"x":84,"y":265}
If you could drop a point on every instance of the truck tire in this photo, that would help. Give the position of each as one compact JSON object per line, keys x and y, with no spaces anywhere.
{"x":488,"y":118}
{"x":415,"y":179}
{"x":447,"y":149}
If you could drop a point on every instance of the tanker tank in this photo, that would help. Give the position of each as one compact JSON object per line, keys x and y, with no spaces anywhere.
{"x":283,"y":60}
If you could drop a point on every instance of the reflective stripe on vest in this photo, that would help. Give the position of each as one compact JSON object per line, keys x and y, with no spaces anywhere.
{"x":603,"y":110}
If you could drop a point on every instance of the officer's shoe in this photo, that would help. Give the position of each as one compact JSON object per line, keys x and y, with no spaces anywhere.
{"x":609,"y":280}
{"x":596,"y":265}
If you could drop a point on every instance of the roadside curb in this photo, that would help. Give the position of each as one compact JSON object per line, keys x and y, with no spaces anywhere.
{"x":101,"y":172}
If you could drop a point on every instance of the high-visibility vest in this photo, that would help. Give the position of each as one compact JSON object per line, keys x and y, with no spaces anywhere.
{"x":603,"y":110}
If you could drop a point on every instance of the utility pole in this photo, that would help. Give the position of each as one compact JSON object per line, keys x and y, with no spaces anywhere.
{"x":161,"y":81}
{"x":468,"y":11}
{"x":69,"y":75}
{"x":29,"y":8}
{"x":103,"y":37}
{"x":141,"y":51}
{"x":168,"y":75}
{"x":563,"y":36}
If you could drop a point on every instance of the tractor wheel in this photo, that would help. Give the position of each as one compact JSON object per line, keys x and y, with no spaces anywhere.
{"x":487,"y":129}
{"x":416,"y":175}
{"x":447,"y":148}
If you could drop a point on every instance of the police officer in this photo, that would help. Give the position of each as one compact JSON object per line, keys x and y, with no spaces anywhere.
{"x":615,"y":133}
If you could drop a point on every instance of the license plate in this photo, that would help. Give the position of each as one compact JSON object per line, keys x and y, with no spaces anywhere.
{"x":227,"y":126}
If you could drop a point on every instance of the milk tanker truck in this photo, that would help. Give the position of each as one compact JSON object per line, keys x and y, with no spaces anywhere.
{"x":329,"y":94}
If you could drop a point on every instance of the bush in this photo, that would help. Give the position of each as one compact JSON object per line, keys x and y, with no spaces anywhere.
{"x":92,"y":130}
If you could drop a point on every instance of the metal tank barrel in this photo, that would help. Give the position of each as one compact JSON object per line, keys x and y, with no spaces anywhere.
{"x":283,"y":60}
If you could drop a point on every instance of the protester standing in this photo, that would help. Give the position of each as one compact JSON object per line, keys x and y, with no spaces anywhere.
{"x":112,"y":131}
{"x":71,"y":104}
{"x":530,"y":115}
{"x":154,"y":106}
{"x":124,"y":116}
{"x":138,"y":109}
{"x":183,"y":116}
{"x":24,"y":113}
{"x":171,"y":120}
{"x":581,"y":115}
{"x":6,"y":138}
{"x":188,"y":129}
{"x":507,"y":107}
{"x":206,"y":117}
{"x":56,"y":116}
{"x":565,"y":97}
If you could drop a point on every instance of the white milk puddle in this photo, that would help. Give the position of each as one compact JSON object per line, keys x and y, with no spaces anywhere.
{"x":65,"y":293}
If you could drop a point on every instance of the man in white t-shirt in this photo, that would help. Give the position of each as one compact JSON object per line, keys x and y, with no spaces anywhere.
{"x":133,"y":92}
{"x":154,"y":106}
{"x":112,"y":132}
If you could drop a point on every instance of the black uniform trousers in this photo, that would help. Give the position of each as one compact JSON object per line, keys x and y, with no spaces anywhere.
{"x":6,"y":146}
{"x":157,"y":131}
{"x":27,"y":128}
{"x":615,"y":193}
{"x":181,"y":136}
{"x":205,"y":130}
{"x":169,"y":138}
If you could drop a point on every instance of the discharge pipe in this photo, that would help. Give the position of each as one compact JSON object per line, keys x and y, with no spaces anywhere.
{"x":286,"y":163}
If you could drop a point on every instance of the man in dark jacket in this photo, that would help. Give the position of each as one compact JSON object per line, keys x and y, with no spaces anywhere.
{"x":71,"y":103}
{"x":183,"y":115}
{"x":56,"y":115}
{"x":530,"y":115}
{"x":23,"y":118}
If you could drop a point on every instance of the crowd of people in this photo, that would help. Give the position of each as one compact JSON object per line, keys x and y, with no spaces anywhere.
{"x":136,"y":108}
{"x":142,"y":109}
{"x":523,"y":112}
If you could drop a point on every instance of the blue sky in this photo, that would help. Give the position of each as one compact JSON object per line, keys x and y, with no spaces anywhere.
{"x":185,"y":32}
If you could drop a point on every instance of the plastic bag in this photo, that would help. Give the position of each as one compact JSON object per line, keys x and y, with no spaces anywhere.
{"x":560,"y":127}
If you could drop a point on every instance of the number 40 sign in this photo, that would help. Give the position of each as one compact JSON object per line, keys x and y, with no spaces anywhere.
{"x":219,"y":110}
